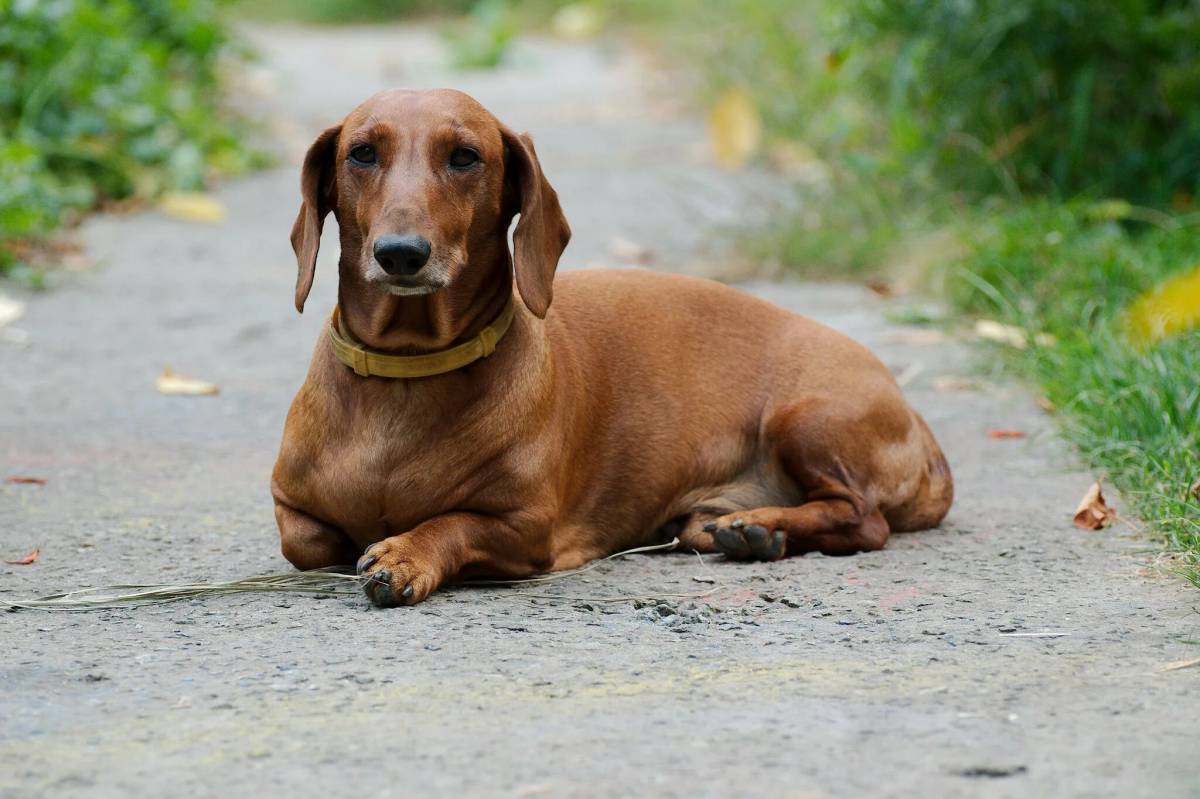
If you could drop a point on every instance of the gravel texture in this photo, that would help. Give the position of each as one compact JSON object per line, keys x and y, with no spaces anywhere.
{"x":925,"y":669}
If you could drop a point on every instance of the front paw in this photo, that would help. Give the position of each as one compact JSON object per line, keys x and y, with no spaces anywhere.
{"x":396,"y":573}
{"x":742,"y":541}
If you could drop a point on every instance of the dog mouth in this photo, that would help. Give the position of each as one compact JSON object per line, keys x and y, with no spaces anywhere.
{"x":433,"y":277}
{"x":407,"y":287}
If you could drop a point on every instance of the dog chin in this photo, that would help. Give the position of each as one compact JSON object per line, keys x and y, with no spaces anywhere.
{"x":409,"y":291}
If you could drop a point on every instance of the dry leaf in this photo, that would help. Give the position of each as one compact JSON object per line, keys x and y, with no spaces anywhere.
{"x":1166,"y":310}
{"x":10,"y":310}
{"x":629,"y":251}
{"x":1005,"y":433}
{"x":735,"y":128}
{"x":1005,"y":334}
{"x":1093,"y":512}
{"x":953,"y":383}
{"x":27,"y":560}
{"x":1194,"y":491}
{"x":1176,"y":665}
{"x":909,"y":373}
{"x":1012,"y":336}
{"x":192,"y":207}
{"x":577,"y":21}
{"x":880,"y":287}
{"x":1046,"y":405}
{"x":170,"y":383}
{"x":23,"y":479}
{"x":918,"y":336}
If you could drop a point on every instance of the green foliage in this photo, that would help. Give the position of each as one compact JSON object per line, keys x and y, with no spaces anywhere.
{"x":918,"y":109}
{"x":1056,"y":96}
{"x":332,"y":11}
{"x":484,"y":37}
{"x":984,"y":96}
{"x":106,"y":99}
{"x":925,"y":114}
{"x":1071,"y":271}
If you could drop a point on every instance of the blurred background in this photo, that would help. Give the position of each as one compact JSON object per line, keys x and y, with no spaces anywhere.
{"x":1032,"y":164}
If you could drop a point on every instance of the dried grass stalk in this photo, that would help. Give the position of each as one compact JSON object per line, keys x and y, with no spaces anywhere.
{"x":317,"y":581}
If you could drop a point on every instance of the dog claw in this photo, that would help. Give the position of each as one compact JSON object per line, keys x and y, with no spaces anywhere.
{"x":407,"y":592}
{"x":710,"y":527}
{"x":756,"y":536}
{"x":737,"y":524}
{"x":365,"y":562}
{"x":378,"y":588}
{"x":732,"y":543}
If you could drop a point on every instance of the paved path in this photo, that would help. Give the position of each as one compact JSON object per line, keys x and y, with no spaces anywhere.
{"x":906,"y":672}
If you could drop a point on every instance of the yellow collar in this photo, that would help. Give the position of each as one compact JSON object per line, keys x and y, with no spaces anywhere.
{"x":366,"y":363}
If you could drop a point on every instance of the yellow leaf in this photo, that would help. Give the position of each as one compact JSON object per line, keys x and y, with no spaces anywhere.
{"x":1010,"y":335}
{"x":577,"y":21}
{"x":1004,"y":334}
{"x":735,"y":127}
{"x":170,"y":383}
{"x":10,"y":310}
{"x":192,"y":207}
{"x":1166,"y":310}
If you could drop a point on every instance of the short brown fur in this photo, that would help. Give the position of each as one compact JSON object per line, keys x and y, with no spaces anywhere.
{"x":622,"y":406}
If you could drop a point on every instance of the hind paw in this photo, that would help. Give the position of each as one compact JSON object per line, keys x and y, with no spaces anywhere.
{"x":741,"y":541}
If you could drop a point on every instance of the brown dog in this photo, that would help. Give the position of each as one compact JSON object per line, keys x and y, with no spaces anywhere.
{"x":637,"y":407}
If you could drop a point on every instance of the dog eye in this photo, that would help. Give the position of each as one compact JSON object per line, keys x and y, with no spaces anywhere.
{"x":363,"y":155}
{"x":463,"y":157}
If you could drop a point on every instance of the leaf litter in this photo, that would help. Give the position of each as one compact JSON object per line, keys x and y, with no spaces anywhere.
{"x":27,"y":560}
{"x":1093,"y":512}
{"x":174,"y":384}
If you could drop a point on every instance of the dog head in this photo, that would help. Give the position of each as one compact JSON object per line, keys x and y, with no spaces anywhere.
{"x":424,"y":186}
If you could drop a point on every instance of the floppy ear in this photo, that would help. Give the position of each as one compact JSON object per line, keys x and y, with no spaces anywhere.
{"x":318,"y":193}
{"x":542,"y":232}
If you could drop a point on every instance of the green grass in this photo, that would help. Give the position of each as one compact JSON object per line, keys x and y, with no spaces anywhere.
{"x":1071,"y":270}
{"x":104,"y":100}
{"x":347,"y":11}
{"x":951,"y":135}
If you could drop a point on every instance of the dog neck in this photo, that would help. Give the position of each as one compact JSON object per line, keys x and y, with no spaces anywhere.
{"x":427,"y":323}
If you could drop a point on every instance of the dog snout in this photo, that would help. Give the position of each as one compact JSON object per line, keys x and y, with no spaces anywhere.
{"x":402,"y":255}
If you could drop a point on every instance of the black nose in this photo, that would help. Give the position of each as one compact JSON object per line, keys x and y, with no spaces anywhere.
{"x":401,"y":255}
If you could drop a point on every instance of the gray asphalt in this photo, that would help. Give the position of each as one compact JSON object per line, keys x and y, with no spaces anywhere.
{"x":910,"y":671}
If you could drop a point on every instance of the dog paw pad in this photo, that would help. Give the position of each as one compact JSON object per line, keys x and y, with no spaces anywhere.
{"x":740,"y":541}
